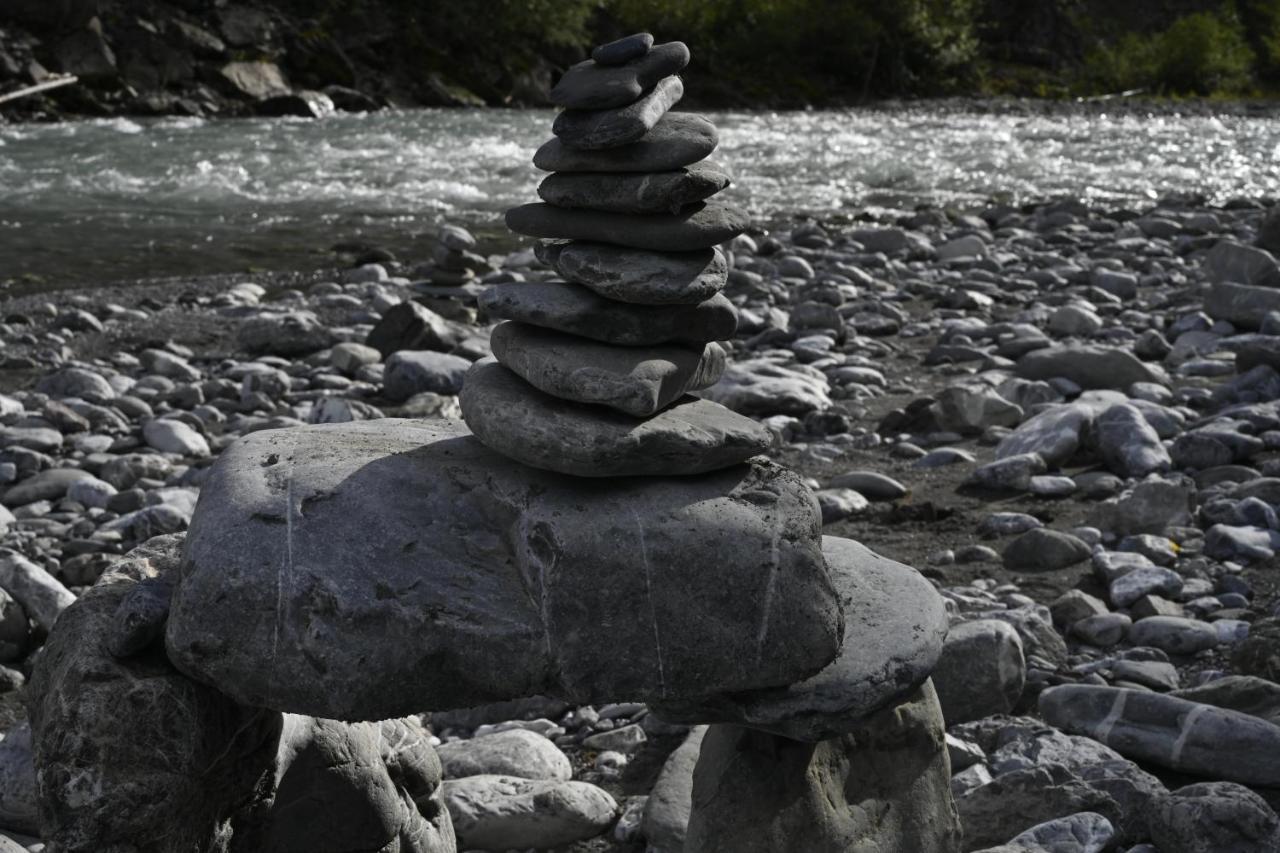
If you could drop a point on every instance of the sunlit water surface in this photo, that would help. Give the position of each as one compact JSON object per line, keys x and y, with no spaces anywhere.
{"x":108,"y":200}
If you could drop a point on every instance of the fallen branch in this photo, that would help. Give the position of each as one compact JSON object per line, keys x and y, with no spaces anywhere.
{"x":52,"y":83}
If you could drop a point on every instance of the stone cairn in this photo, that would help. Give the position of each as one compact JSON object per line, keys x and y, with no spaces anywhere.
{"x":608,"y":537}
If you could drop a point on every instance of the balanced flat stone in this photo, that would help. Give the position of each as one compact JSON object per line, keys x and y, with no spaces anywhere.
{"x":519,"y":421}
{"x":636,"y":381}
{"x":677,"y":140}
{"x":895,"y":623}
{"x":633,"y":192}
{"x":592,"y":86}
{"x":580,"y":311}
{"x":698,"y":226}
{"x":594,"y":129}
{"x":642,"y":277}
{"x":362,"y":570}
{"x":1170,"y":732}
{"x":623,"y":50}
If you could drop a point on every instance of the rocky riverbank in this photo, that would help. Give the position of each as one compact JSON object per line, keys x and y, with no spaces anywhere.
{"x":1066,"y":417}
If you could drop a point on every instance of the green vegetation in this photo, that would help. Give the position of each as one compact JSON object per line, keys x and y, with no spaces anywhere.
{"x":1200,"y":54}
{"x":792,"y":52}
{"x":804,"y":48}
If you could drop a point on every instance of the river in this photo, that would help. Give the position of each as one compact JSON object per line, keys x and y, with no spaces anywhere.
{"x":99,"y":201}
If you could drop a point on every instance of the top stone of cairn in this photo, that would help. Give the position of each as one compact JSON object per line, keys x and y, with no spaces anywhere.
{"x":623,"y":50}
{"x":590,"y":85}
{"x":594,"y":374}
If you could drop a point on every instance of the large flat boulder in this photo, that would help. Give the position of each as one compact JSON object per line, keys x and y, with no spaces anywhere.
{"x":374,"y":569}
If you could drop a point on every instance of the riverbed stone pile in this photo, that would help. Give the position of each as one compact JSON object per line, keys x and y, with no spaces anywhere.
{"x":602,"y":557}
{"x":1111,"y":673}
{"x":595,"y":372}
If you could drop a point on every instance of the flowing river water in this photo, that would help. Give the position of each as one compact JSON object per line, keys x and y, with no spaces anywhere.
{"x":110,"y":200}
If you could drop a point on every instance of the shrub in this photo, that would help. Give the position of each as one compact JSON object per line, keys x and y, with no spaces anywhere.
{"x":1200,"y":54}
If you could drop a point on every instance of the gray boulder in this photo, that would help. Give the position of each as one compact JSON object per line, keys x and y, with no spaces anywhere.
{"x":1247,"y":694}
{"x":981,"y":671}
{"x":666,"y":812}
{"x":1241,"y":264}
{"x":343,"y":787}
{"x":515,"y":752}
{"x":1085,"y":832}
{"x":410,"y":568}
{"x":1045,"y":550}
{"x":501,"y":813}
{"x":763,"y":387}
{"x":884,"y":786}
{"x":1242,"y":305}
{"x":1215,"y":817}
{"x":131,"y":752}
{"x":1087,"y":366}
{"x":410,"y":372}
{"x":1167,"y":731}
{"x":1054,"y":435}
{"x":1127,"y":443}
{"x":894,"y":625}
{"x":286,"y":333}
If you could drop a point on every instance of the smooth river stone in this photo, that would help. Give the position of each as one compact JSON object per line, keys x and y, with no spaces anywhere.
{"x":641,"y":277}
{"x":690,"y":437}
{"x":595,"y":129}
{"x":580,"y":311}
{"x":631,"y":192}
{"x":623,"y":50}
{"x":895,"y":623}
{"x":1170,"y":732}
{"x":366,"y":570}
{"x":698,"y":226}
{"x":636,"y":381}
{"x":677,"y":140}
{"x":592,"y":86}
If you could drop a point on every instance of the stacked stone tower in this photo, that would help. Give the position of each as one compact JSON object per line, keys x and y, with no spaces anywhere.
{"x":608,"y":537}
{"x":594,"y":371}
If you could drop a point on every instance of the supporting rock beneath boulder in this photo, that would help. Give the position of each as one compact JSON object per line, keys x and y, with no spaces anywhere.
{"x":132,"y":752}
{"x":884,"y":788}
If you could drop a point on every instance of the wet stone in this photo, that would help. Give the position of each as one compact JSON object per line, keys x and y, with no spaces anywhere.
{"x":622,"y":192}
{"x":676,"y":141}
{"x":579,"y":311}
{"x":634,"y":381}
